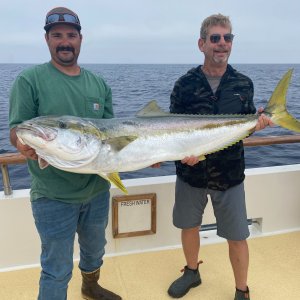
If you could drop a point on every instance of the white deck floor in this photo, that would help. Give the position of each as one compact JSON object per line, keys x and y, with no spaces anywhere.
{"x":274,"y":273}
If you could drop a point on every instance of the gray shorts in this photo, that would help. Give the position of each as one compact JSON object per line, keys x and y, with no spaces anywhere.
{"x":229,"y":209}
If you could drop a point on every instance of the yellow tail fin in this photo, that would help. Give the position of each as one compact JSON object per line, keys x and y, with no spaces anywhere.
{"x":276,"y":107}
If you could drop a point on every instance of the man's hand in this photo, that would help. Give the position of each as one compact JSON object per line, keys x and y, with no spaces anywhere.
{"x":156,"y":166}
{"x":26,"y":150}
{"x":263,"y":121}
{"x":190,"y":160}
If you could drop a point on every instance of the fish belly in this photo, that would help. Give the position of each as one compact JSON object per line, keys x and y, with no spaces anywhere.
{"x":145,"y":151}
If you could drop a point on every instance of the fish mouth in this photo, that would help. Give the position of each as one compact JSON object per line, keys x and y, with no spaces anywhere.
{"x":48,"y":134}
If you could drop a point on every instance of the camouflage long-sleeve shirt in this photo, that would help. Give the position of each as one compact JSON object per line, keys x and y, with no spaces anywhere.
{"x":192,"y":94}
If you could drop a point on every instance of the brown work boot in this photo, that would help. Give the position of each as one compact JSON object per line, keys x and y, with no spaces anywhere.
{"x":91,"y":290}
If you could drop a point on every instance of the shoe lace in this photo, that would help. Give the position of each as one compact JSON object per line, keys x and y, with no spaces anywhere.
{"x":198,"y":263}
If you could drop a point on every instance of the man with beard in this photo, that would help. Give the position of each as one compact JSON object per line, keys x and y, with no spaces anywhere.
{"x":64,"y":203}
{"x":213,"y":88}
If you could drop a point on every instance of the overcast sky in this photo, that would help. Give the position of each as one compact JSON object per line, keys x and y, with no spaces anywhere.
{"x":154,"y":31}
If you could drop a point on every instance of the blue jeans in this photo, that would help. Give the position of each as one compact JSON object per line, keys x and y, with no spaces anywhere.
{"x":57,"y":222}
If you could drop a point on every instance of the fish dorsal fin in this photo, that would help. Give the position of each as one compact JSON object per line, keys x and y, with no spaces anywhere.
{"x":151,"y":110}
{"x":118,"y":143}
{"x":116,"y":180}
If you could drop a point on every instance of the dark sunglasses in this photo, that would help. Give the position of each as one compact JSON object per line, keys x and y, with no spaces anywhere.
{"x":62,"y":18}
{"x":215,"y":38}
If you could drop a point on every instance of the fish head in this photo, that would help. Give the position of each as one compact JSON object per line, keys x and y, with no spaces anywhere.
{"x":61,"y":141}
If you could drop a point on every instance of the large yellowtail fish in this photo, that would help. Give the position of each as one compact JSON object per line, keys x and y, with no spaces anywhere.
{"x":109,"y":146}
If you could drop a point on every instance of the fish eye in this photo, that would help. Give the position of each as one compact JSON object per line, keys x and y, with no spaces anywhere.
{"x":62,"y":125}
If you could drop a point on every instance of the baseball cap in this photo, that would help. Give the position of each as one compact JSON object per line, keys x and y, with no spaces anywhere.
{"x":61,"y":15}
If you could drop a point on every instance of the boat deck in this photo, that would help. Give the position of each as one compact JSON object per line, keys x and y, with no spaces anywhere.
{"x":274,"y":273}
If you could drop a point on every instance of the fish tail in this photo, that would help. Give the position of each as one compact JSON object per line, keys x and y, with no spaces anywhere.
{"x":276,"y":107}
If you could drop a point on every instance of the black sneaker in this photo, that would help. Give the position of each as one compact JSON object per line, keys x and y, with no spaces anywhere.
{"x":189,"y":279}
{"x":240,"y":295}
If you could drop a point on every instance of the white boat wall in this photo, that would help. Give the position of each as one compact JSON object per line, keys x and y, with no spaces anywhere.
{"x":272,"y":196}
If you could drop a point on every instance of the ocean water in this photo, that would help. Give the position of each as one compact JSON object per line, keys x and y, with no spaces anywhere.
{"x":134,"y":85}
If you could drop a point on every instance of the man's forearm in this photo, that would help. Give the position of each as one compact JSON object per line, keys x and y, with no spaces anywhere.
{"x":13,"y":137}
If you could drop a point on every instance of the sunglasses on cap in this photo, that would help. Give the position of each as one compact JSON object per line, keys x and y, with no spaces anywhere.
{"x":215,"y":38}
{"x":62,"y":18}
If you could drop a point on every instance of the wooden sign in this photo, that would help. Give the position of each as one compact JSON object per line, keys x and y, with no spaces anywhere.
{"x":134,"y":215}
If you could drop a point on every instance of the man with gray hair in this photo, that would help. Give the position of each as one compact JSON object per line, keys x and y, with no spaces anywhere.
{"x":213,"y":88}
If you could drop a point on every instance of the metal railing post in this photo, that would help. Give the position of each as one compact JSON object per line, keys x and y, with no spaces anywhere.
{"x":6,"y":181}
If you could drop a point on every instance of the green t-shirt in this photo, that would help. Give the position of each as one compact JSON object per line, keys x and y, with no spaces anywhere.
{"x":44,"y":90}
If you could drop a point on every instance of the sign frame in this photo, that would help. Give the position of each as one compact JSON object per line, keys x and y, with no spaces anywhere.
{"x":116,"y":200}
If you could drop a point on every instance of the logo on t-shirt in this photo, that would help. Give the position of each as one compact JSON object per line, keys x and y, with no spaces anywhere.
{"x":96,"y":106}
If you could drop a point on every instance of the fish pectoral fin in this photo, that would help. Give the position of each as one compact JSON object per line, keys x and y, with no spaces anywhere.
{"x":42,"y":163}
{"x":202,"y":157}
{"x":118,"y":143}
{"x":116,"y":180}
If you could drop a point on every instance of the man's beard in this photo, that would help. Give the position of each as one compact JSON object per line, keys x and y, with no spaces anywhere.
{"x":219,"y":60}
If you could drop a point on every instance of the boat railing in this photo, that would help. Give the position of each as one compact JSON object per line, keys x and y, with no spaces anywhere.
{"x":17,"y":158}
